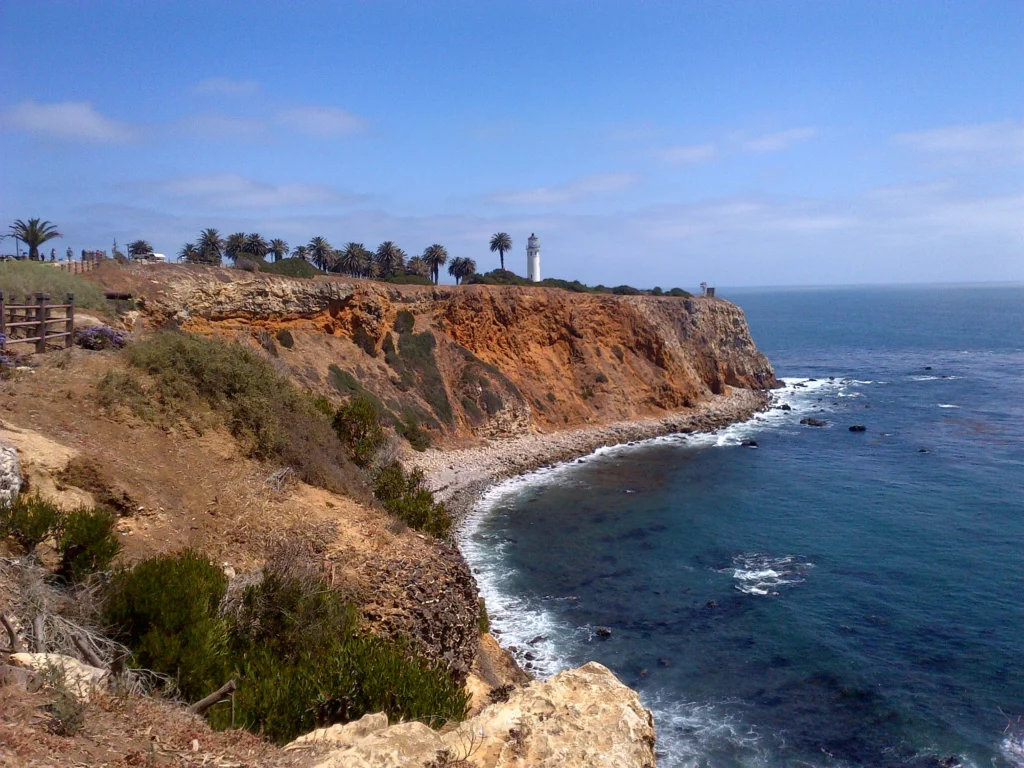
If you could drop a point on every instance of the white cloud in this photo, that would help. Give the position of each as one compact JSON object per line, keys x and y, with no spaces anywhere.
{"x":214,"y":126}
{"x":225,"y":86}
{"x":690,"y":154}
{"x":774,"y":142}
{"x":226,"y":191}
{"x":66,"y":121}
{"x":999,"y":141}
{"x":570,"y":192}
{"x":321,"y":121}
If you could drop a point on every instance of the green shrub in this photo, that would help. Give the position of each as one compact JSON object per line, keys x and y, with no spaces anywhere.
{"x":587,"y":393}
{"x":263,"y":410}
{"x":404,"y":495}
{"x":617,"y":351}
{"x":26,"y":278}
{"x":656,"y":291}
{"x":166,"y":609}
{"x":419,"y":361}
{"x":29,"y":520}
{"x":601,"y":378}
{"x":291,"y":267}
{"x":285,"y":339}
{"x":680,"y":292}
{"x":405,"y":321}
{"x":303,"y":662}
{"x":483,"y":619}
{"x":410,"y":428}
{"x":408,"y":280}
{"x":357,"y":424}
{"x":87,"y":543}
{"x":625,"y":290}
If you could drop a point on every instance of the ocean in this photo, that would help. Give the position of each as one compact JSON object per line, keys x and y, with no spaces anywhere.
{"x":828,"y":598}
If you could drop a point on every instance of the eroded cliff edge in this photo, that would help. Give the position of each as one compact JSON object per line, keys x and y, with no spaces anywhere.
{"x":474,"y":361}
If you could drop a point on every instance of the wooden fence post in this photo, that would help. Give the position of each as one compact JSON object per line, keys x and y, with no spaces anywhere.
{"x":3,"y":322}
{"x":69,"y":340}
{"x":41,"y":312}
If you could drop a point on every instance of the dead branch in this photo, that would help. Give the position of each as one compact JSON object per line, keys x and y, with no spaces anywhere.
{"x":39,"y":633}
{"x":16,"y":646}
{"x":87,"y":652}
{"x":217,"y":696}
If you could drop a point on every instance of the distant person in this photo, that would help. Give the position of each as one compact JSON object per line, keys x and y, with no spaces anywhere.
{"x":70,"y":254}
{"x":53,"y":254}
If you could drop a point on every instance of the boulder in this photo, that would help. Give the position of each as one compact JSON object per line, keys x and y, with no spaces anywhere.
{"x":748,"y":443}
{"x":858,"y":428}
{"x":785,"y":407}
{"x":56,"y":669}
{"x":10,"y":474}
{"x":341,"y":736}
{"x":581,"y":717}
{"x":812,"y":422}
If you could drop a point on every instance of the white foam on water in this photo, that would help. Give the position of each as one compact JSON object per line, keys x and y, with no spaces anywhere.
{"x":690,"y":733}
{"x":948,"y":405}
{"x":763,"y":575}
{"x":1013,"y":750}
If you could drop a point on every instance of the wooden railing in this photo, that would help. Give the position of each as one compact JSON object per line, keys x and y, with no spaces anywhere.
{"x":76,"y":267}
{"x":32,"y":322}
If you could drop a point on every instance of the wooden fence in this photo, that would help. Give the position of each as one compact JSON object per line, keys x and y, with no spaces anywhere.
{"x":76,"y":267}
{"x":32,"y":323}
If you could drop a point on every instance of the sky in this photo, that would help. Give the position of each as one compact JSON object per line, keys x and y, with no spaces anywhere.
{"x":648,"y":143}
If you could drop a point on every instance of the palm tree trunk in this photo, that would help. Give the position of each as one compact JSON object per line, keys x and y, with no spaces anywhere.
{"x":501,"y":252}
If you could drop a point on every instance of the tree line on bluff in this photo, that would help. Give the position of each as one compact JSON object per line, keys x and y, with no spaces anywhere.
{"x":353,"y":259}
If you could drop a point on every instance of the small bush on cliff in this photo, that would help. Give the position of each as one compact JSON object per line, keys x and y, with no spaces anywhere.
{"x":264,"y":411}
{"x":357,"y":424}
{"x":166,"y":609}
{"x":680,"y":293}
{"x":29,"y":520}
{"x":285,"y":338}
{"x":291,"y":268}
{"x":87,"y":542}
{"x":404,"y":495}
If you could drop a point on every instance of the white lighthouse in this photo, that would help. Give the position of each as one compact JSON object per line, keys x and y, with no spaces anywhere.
{"x":533,"y":259}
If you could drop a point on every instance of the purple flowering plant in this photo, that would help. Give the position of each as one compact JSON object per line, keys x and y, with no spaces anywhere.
{"x":100,"y":337}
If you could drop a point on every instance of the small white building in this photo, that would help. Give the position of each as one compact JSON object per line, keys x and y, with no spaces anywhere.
{"x":533,"y":259}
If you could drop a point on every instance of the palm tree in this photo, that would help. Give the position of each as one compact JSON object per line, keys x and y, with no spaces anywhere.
{"x":353,"y":259}
{"x":211,"y":245}
{"x":321,"y":253}
{"x":417,"y":266}
{"x":139,"y":248}
{"x":301,"y":252}
{"x":390,"y":258}
{"x":33,"y":234}
{"x":461,"y":268}
{"x":234,"y":245}
{"x":436,"y":256}
{"x":256,"y":246}
{"x":501,"y":242}
{"x":190,"y":253}
{"x":277,"y":247}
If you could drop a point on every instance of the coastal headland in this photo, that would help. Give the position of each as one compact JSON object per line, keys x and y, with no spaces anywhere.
{"x":473,"y":384}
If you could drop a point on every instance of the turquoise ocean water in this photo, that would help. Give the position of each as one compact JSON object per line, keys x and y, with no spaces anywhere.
{"x":828,"y":598}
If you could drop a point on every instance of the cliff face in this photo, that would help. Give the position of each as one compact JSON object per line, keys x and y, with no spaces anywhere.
{"x":475,"y":360}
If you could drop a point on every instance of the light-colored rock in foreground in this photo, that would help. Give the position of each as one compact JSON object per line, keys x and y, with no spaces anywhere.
{"x":78,"y":678}
{"x":10,"y":474}
{"x":581,"y":717}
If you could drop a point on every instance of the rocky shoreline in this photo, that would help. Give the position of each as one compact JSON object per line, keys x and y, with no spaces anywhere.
{"x":459,"y":477}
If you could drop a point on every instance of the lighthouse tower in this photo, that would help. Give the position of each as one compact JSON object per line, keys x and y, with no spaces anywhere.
{"x":533,"y":259}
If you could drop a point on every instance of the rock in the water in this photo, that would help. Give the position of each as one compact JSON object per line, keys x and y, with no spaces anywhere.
{"x":579,"y":718}
{"x":927,"y":367}
{"x":10,"y":474}
{"x":604,"y":633}
{"x":858,"y":428}
{"x":749,"y":443}
{"x":812,"y":422}
{"x":785,"y":407}
{"x":79,"y":679}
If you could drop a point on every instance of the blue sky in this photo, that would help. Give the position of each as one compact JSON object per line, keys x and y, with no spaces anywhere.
{"x":651,"y":143}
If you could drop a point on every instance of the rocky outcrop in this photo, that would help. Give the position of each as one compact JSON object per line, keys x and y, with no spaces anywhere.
{"x":57,"y":670}
{"x":10,"y":474}
{"x":470,"y":361}
{"x":577,"y":719}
